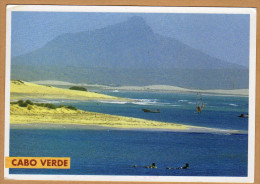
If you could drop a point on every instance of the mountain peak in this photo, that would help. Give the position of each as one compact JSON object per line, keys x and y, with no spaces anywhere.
{"x":137,"y":23}
{"x":123,"y":48}
{"x":136,"y":20}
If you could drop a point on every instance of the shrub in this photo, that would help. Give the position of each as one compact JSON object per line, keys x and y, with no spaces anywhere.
{"x":20,"y":81}
{"x":50,"y":106}
{"x":79,"y":88}
{"x":29,"y":107}
{"x":40,"y":104}
{"x":29,"y":102}
{"x":72,"y":107}
{"x":21,"y":103}
{"x":60,"y":106}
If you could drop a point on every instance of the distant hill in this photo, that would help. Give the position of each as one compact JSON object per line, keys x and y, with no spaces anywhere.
{"x":127,"y":53}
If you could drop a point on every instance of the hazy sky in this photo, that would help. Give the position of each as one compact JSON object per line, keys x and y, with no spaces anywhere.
{"x":224,"y":36}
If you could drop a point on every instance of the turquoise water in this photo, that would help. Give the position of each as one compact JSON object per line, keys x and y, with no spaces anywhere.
{"x":113,"y":152}
{"x":219,"y":111}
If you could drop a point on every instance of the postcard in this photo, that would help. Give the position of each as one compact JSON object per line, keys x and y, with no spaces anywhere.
{"x":130,"y":93}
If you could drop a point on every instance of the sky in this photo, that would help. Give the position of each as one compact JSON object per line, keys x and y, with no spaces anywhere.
{"x":224,"y":36}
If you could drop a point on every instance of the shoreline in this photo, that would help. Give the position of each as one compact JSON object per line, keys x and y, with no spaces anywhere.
{"x":26,"y":90}
{"x":35,"y":116}
{"x":190,"y":129}
{"x":174,"y":89}
{"x":153,"y":88}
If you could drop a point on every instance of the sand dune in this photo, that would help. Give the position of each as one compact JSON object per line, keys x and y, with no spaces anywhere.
{"x":36,"y":114}
{"x":175,"y":89}
{"x":155,"y":88}
{"x":27,"y":90}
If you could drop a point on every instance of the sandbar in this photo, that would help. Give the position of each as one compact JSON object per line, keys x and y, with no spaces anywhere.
{"x":27,"y":90}
{"x":64,"y":118}
{"x":153,"y":88}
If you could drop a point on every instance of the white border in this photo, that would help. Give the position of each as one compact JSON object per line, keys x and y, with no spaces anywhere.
{"x":138,"y":9}
{"x":7,"y":88}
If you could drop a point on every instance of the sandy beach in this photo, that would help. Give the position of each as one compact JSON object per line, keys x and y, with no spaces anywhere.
{"x":175,"y":89}
{"x":43,"y":117}
{"x":63,"y":117}
{"x":189,"y":129}
{"x":27,"y":90}
{"x":152,"y":88}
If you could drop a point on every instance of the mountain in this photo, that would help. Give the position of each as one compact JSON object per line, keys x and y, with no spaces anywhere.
{"x":130,"y":48}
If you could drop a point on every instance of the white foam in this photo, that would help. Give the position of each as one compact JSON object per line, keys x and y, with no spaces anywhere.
{"x":53,"y":101}
{"x":113,"y":102}
{"x":175,"y":105}
{"x":48,"y":101}
{"x":235,"y":105}
{"x":145,"y":101}
{"x":182,"y":100}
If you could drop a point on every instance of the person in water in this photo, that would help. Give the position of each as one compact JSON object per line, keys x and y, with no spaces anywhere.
{"x":243,"y":116}
{"x":153,"y":166}
{"x":184,"y":167}
{"x":198,"y":109}
{"x":170,"y":168}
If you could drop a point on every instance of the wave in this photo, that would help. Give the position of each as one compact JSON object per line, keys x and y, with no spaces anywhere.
{"x":52,"y":101}
{"x":174,"y":105}
{"x":217,"y":133}
{"x":145,"y":101}
{"x":221,"y":133}
{"x":113,"y":102}
{"x":182,"y":100}
{"x":235,"y":105}
{"x":186,"y":102}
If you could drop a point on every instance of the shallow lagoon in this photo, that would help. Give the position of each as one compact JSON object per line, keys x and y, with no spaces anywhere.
{"x":219,"y":112}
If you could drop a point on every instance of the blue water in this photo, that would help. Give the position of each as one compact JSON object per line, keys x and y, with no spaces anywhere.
{"x":219,"y":111}
{"x":103,"y":152}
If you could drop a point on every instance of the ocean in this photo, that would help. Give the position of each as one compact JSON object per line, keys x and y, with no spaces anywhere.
{"x":114,"y":152}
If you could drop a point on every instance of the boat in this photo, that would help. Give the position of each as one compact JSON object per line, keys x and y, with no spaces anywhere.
{"x":151,"y":111}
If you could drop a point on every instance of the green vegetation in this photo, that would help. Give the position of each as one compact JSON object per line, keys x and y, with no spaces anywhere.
{"x":72,"y":107}
{"x":29,"y":104}
{"x":60,"y":106}
{"x":79,"y":88}
{"x":18,"y":82}
{"x":21,"y":103}
{"x":50,"y":106}
{"x":29,"y":107}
